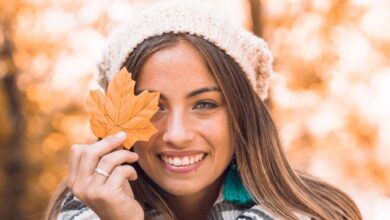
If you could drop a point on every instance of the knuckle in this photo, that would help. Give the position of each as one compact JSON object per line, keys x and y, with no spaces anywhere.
{"x":128,"y":171}
{"x":116,"y":170}
{"x":120,"y":170}
{"x":116,"y":157}
{"x":133,"y":174}
{"x":128,"y":156}
{"x":76,"y":149}
{"x":89,"y":153}
{"x":105,"y":160}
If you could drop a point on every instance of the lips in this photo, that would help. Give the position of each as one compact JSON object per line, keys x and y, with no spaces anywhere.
{"x":181,"y":159}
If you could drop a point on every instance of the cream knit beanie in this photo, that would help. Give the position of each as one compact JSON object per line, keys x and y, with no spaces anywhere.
{"x":197,"y":18}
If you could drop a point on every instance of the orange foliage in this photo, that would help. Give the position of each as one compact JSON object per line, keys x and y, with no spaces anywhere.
{"x":121,"y":110}
{"x":329,"y":98}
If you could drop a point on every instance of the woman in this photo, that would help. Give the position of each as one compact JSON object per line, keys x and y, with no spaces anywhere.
{"x":216,"y":154}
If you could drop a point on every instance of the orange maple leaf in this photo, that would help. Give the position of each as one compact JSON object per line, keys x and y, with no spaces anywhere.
{"x":121,"y":110}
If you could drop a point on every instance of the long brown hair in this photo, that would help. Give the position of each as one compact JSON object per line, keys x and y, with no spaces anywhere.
{"x":262,"y":165}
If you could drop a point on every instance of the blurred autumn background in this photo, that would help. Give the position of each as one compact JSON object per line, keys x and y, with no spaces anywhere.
{"x":329,"y":98}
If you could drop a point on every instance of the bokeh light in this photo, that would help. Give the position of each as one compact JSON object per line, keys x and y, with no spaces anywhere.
{"x":329,"y":97}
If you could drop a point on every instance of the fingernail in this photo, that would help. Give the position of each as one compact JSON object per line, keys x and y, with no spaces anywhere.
{"x":120,"y":135}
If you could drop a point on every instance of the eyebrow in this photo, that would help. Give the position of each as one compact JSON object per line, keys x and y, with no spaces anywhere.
{"x":191,"y":94}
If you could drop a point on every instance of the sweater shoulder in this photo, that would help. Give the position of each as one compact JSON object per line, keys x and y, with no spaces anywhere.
{"x":73,"y":209}
{"x":258,"y":212}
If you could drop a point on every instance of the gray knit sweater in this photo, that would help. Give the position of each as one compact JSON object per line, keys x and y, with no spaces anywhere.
{"x":73,"y":209}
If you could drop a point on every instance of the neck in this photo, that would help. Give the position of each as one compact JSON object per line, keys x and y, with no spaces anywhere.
{"x":197,"y":205}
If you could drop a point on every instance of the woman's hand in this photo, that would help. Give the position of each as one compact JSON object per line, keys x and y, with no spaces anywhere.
{"x":111,"y":196}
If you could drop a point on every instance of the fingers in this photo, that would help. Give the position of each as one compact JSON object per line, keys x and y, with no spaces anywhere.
{"x":120,"y":175}
{"x":109,"y":161}
{"x":108,"y":156}
{"x":93,"y":153}
{"x":74,"y":161}
{"x":116,"y":186}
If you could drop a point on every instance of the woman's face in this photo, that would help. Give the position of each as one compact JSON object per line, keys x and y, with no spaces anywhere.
{"x":192,"y":146}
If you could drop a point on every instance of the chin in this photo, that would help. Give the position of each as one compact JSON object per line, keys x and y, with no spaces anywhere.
{"x":181,"y":187}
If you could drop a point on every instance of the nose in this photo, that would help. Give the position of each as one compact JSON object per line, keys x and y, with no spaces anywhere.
{"x":178,"y":130}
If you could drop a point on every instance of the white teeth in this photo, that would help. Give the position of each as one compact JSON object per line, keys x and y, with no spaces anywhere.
{"x":184,"y":161}
{"x":177,"y":161}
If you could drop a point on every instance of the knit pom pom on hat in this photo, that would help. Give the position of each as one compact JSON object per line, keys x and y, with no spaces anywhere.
{"x":196,"y":18}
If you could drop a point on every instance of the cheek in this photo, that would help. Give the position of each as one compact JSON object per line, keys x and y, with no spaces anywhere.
{"x":217,"y":128}
{"x":217,"y":133}
{"x":142,"y":149}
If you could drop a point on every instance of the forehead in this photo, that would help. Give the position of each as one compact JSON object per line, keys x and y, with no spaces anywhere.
{"x":179,"y":66}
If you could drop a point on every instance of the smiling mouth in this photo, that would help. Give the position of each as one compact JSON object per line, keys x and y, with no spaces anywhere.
{"x":183,"y":160}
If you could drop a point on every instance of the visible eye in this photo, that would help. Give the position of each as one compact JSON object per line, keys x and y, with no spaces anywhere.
{"x":205,"y":105}
{"x":161,"y":107}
